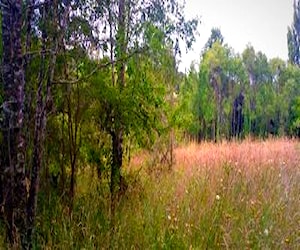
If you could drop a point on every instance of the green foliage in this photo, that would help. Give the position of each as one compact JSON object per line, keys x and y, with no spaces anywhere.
{"x":145,"y":99}
{"x":139,"y":92}
{"x":215,"y":36}
{"x":184,"y":112}
{"x":295,"y":116}
{"x":270,"y":89}
{"x":220,"y":80}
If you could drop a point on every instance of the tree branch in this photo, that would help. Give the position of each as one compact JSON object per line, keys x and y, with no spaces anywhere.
{"x":98,"y":67}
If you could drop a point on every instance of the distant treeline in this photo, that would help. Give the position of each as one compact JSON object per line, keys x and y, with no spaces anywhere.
{"x":235,"y":96}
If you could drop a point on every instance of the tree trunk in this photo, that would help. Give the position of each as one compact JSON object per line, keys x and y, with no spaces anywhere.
{"x":74,"y":136}
{"x":42,"y":101}
{"x":117,"y":131}
{"x":13,"y":167}
{"x":117,"y":160}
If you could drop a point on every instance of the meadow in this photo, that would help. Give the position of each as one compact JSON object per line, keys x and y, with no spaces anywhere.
{"x":230,"y":195}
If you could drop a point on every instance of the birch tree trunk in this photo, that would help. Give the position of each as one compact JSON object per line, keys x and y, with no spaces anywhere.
{"x":13,"y":167}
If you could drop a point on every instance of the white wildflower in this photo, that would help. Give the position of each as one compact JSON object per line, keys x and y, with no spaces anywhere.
{"x":266,"y":232}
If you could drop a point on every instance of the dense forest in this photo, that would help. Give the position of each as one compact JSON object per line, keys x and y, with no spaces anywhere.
{"x":87,"y":84}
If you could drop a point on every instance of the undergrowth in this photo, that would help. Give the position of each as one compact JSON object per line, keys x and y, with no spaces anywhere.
{"x":231,"y":204}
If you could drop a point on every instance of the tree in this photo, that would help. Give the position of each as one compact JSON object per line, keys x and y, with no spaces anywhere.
{"x":138,"y":27}
{"x":295,"y":123}
{"x":293,"y":36}
{"x":186,"y":118}
{"x":23,"y":152}
{"x":277,"y":68}
{"x":215,"y":36}
{"x":12,"y":167}
{"x":289,"y":94}
{"x":222,"y":72}
{"x":237,"y":116}
{"x":124,"y":51}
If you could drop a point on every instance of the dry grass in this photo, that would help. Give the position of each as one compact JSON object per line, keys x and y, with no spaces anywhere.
{"x":245,"y":154}
{"x":232,"y":195}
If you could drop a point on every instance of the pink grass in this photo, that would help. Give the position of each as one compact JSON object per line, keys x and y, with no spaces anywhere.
{"x":246,"y":154}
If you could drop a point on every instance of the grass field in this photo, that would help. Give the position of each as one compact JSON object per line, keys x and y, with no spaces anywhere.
{"x":229,"y":195}
{"x":232,"y":195}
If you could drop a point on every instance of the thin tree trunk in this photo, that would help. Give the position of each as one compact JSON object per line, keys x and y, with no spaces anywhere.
{"x":117,"y":157}
{"x":74,"y":145}
{"x":117,"y":132}
{"x":63,"y":25}
{"x":62,"y":180}
{"x":111,"y":46}
{"x":121,"y":46}
{"x":29,"y":88}
{"x":43,"y":99}
{"x":37,"y":140}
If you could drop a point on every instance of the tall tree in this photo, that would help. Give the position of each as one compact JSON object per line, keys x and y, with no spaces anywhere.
{"x":19,"y":193}
{"x":117,"y":131}
{"x":215,"y":36}
{"x":134,"y":27}
{"x":293,"y":36}
{"x":13,"y":147}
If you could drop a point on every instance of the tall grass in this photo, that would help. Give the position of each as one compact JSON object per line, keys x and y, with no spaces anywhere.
{"x":230,"y":195}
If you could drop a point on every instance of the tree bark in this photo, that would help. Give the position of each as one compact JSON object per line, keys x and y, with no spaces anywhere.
{"x":13,"y":167}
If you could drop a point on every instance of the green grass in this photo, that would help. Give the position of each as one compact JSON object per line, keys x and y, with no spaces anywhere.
{"x":224,"y":207}
{"x":227,"y":210}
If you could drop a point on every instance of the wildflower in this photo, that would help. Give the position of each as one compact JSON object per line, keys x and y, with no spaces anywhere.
{"x":218,"y":197}
{"x":266,"y":232}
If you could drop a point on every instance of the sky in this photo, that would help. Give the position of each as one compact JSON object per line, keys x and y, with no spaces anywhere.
{"x":261,"y":23}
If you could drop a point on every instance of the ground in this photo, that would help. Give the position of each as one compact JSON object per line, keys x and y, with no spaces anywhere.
{"x":231,"y":195}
